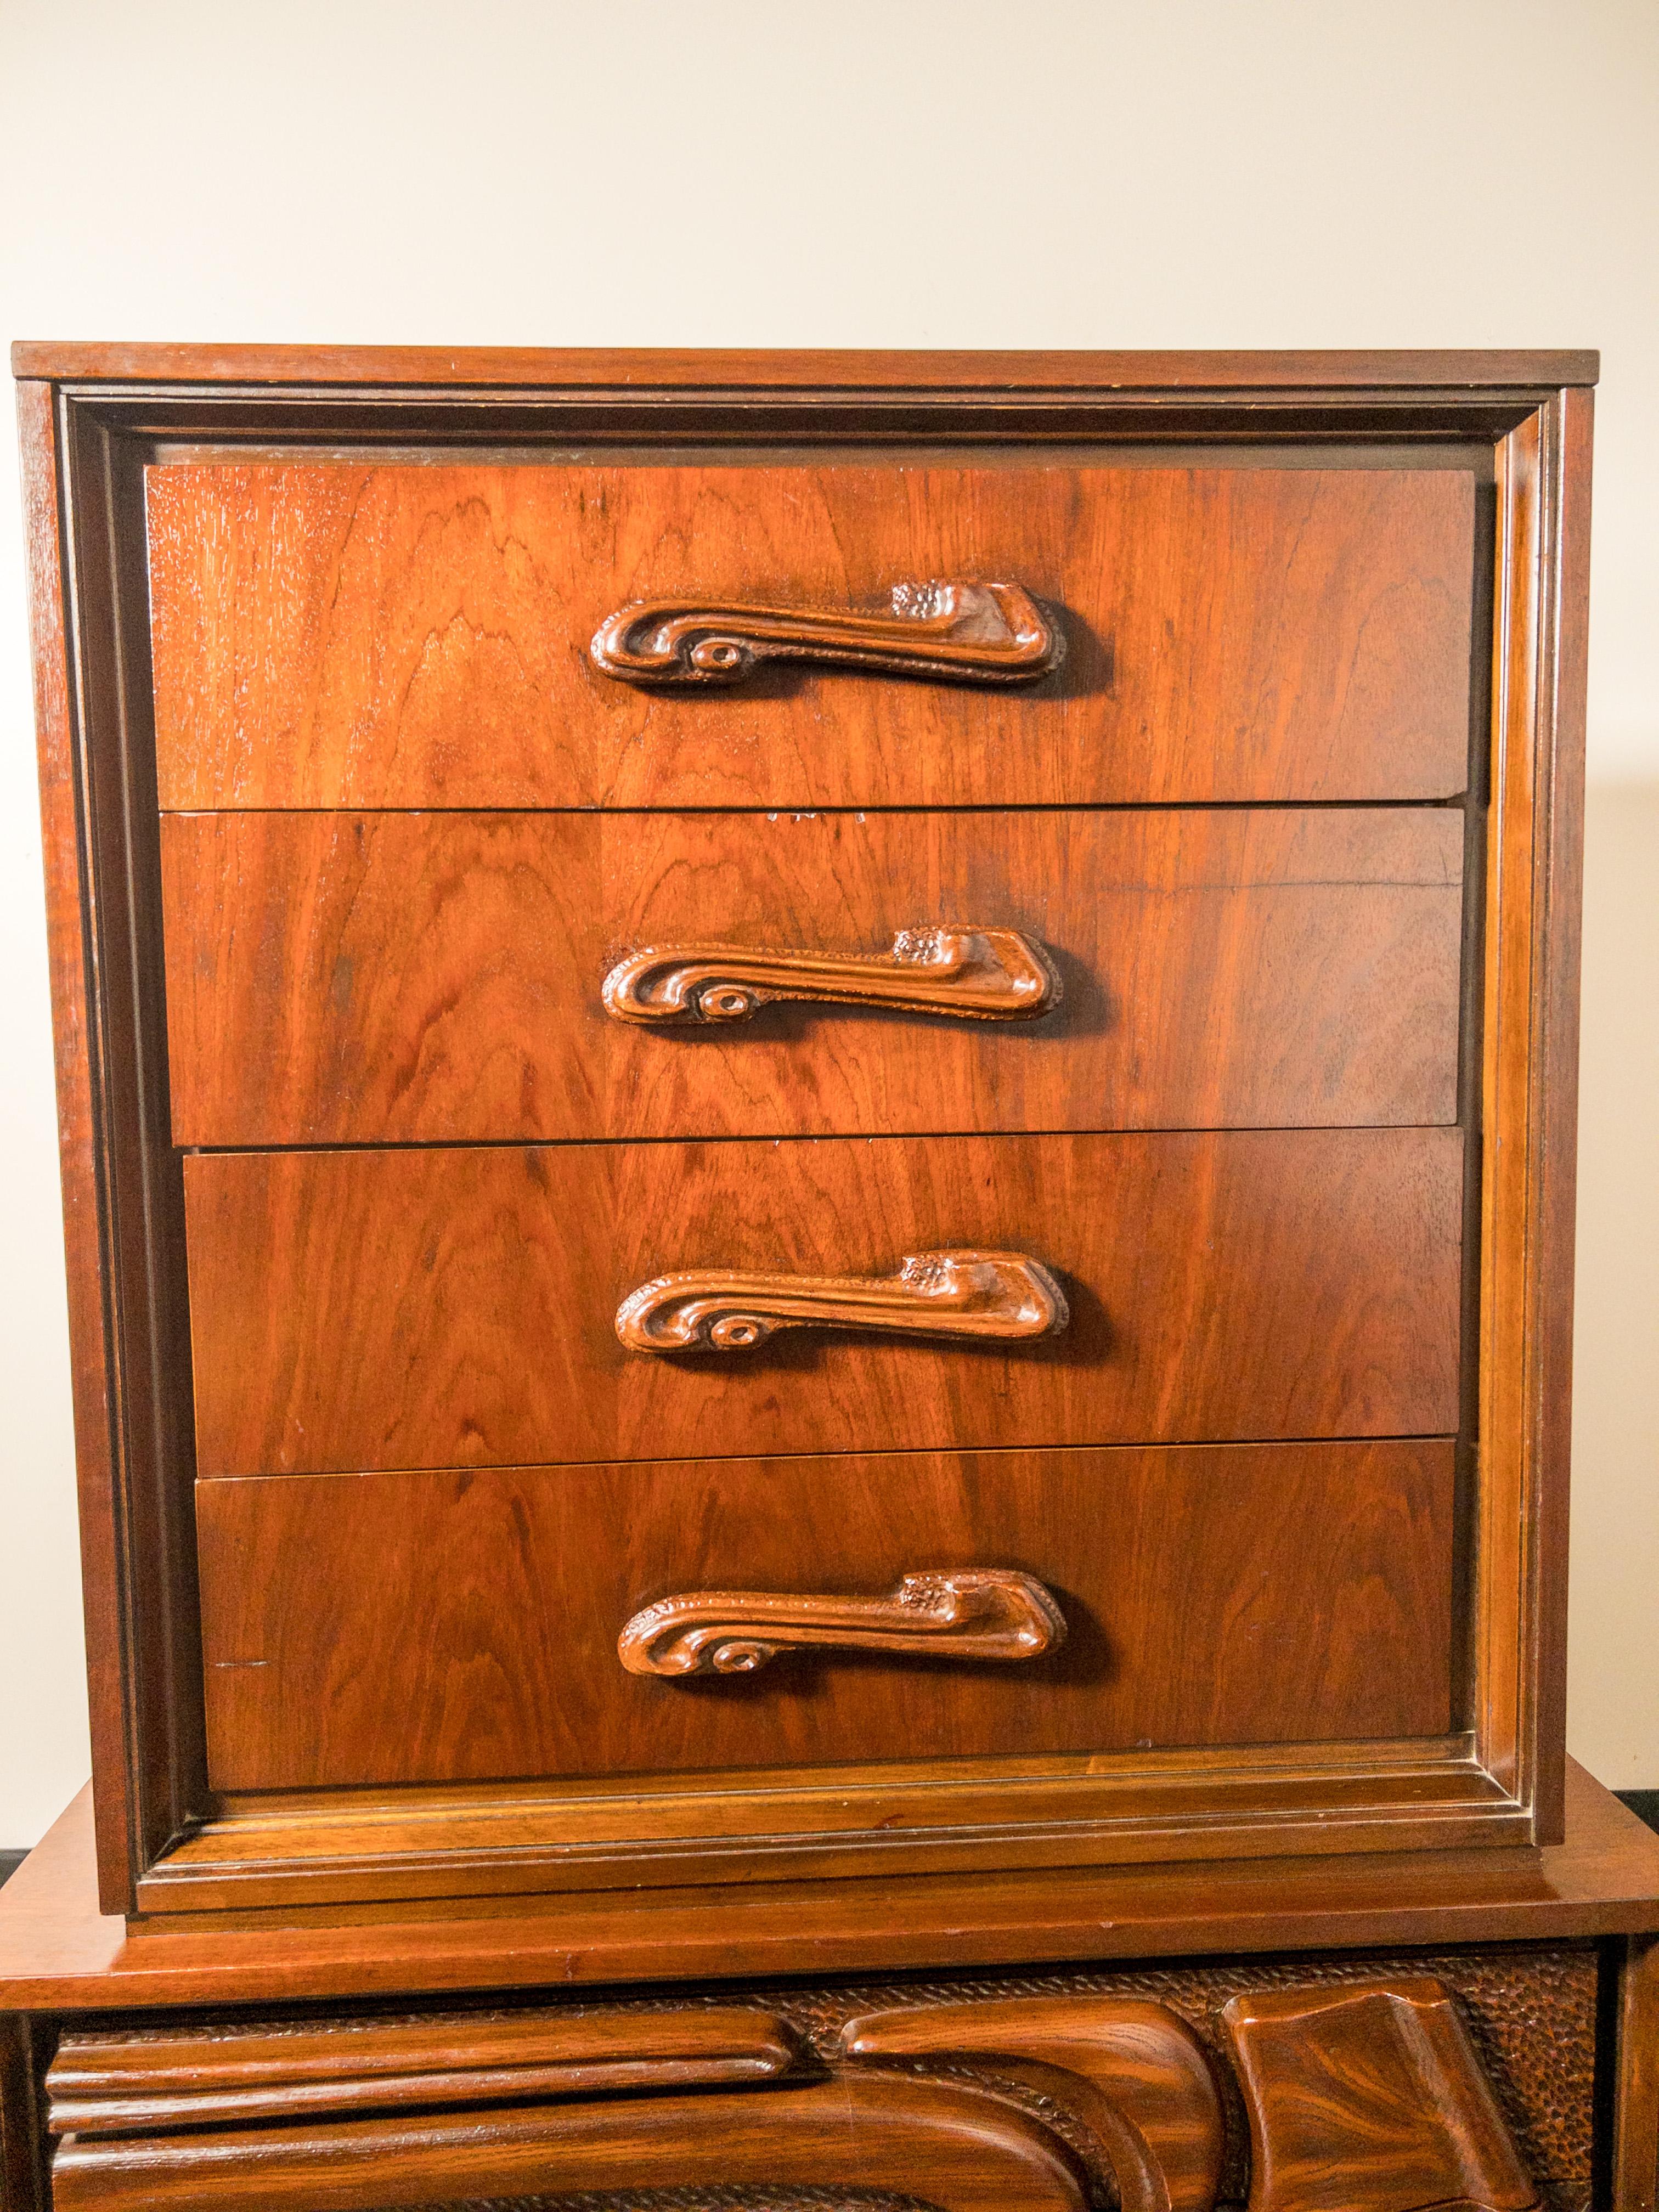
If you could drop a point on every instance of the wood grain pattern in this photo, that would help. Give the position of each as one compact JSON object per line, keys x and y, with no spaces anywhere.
{"x":416,"y":635}
{"x":1369,"y":2094}
{"x":467,"y":1848}
{"x":1118,"y":2062}
{"x":1134,"y":2074}
{"x":361,"y":978}
{"x":1035,"y":418}
{"x":1212,"y":1595}
{"x":71,"y":937}
{"x":454,"y":1307}
{"x":1397,"y":369}
{"x":1373,"y":2097}
{"x":971,"y":2151}
{"x":113,"y":2084}
{"x":124,"y":1205}
{"x":60,"y":1954}
{"x":1531,"y":2013}
{"x":1636,"y":2110}
{"x":1530,"y":1099}
{"x":1130,"y":2077}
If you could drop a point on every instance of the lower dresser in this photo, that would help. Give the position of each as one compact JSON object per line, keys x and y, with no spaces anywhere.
{"x":1368,"y":2034}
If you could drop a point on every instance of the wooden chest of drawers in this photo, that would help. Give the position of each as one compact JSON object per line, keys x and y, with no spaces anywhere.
{"x":812,"y":1128}
{"x":817,"y":1137}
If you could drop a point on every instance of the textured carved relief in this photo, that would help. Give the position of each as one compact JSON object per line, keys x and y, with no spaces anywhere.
{"x":957,"y":2146}
{"x":1373,"y":2097}
{"x":979,"y":975}
{"x":956,"y":633}
{"x":1363,"y":2086}
{"x":981,"y":1613}
{"x":1135,"y":2076}
{"x":1003,"y":1295}
{"x":1530,"y":2012}
{"x":111,"y":2085}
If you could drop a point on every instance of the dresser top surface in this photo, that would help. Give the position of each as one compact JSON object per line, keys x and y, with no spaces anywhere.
{"x":101,"y":360}
{"x":57,"y":1953}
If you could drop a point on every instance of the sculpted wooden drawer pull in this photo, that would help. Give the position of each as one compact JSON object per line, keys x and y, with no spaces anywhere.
{"x":973,"y":1613}
{"x":995,"y":1294}
{"x":981,"y":974}
{"x":954,"y":633}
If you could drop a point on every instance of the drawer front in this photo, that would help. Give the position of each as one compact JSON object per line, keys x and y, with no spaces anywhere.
{"x":409,"y":636}
{"x":1210,"y":1596}
{"x":458,"y":1306}
{"x":362,"y":978}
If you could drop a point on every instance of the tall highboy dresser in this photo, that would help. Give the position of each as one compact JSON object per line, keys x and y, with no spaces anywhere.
{"x":817,"y":1132}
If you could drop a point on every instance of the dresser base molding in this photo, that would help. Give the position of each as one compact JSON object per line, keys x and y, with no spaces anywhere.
{"x":1385,"y":2033}
{"x":344,"y":1846}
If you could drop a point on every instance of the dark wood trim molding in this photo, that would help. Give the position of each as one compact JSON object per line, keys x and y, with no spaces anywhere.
{"x":76,"y":360}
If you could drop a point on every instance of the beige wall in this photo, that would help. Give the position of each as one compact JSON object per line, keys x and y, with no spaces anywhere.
{"x":1612,"y":1708}
{"x":1287,"y":172}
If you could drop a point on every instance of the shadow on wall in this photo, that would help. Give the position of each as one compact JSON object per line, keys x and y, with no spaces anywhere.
{"x":1613,"y":1706}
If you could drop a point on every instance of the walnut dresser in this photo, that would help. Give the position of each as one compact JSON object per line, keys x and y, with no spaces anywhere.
{"x":818,"y":1130}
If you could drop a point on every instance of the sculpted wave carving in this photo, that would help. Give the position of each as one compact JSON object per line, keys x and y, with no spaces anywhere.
{"x":1388,"y":2075}
{"x":1004,"y":1295}
{"x":975,"y":974}
{"x":1134,"y":2074}
{"x":956,"y":632}
{"x":1364,"y":2095}
{"x":980,"y":1612}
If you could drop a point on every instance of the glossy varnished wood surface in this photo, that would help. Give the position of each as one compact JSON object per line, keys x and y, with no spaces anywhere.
{"x":370,"y":977}
{"x":1133,"y":2072}
{"x":149,"y":1753}
{"x":71,"y":937}
{"x":1359,"y":2085}
{"x":1210,"y":1595}
{"x":974,"y":2153}
{"x":57,"y":1953}
{"x":1398,"y":369}
{"x":955,"y":1613}
{"x":1379,"y":2099}
{"x":455,"y":1307}
{"x":418,"y":636}
{"x":1636,"y":2129}
{"x":112,"y":2084}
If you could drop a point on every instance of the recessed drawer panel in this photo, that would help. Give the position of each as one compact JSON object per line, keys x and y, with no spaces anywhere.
{"x":356,"y":978}
{"x":338,"y":635}
{"x":464,"y":1626}
{"x":466,"y":1306}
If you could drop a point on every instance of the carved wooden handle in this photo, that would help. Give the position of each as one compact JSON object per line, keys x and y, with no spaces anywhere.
{"x":981,"y":975}
{"x":973,"y":1612}
{"x":996,"y":1294}
{"x":959,"y":633}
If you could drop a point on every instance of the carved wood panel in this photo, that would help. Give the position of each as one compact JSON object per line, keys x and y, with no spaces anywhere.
{"x":1368,"y":2084}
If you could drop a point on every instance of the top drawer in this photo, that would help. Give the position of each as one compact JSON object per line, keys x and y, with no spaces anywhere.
{"x":409,"y":636}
